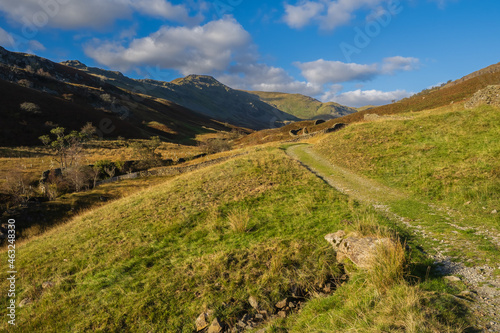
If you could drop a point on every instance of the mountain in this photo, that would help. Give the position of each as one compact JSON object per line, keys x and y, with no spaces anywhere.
{"x":206,"y":95}
{"x":65,"y":96}
{"x":202,"y":94}
{"x":304,"y":107}
{"x":457,"y":91}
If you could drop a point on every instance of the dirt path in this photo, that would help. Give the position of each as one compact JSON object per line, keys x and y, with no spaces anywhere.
{"x":484,"y":294}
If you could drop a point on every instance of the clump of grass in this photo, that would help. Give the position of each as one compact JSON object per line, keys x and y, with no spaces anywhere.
{"x":239,"y":219}
{"x":388,"y":266}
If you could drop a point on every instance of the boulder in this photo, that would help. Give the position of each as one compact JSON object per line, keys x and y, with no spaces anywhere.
{"x":360,"y":250}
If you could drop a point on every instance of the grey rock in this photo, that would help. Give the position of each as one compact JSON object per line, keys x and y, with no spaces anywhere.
{"x":360,"y":250}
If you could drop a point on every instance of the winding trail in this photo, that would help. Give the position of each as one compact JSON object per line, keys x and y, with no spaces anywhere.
{"x":484,"y":285}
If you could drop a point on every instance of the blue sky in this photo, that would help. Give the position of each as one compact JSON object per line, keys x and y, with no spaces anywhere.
{"x":354,"y":52}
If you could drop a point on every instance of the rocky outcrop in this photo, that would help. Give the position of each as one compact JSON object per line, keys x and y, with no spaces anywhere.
{"x":487,"y":96}
{"x":360,"y":250}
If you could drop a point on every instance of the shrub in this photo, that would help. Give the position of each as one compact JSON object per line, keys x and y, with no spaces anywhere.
{"x":214,"y":146}
{"x":30,"y":107}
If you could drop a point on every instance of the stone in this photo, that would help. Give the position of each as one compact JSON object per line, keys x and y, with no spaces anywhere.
{"x":494,"y":211}
{"x":253,"y":302}
{"x":282,"y":314}
{"x":359,"y":250}
{"x":452,"y":278}
{"x":281,"y":304}
{"x":215,"y":327}
{"x":201,"y":322}
{"x":259,"y":316}
{"x":336,"y":238}
{"x":487,"y":96}
{"x":264,"y":312}
{"x":48,"y":284}
{"x":25,"y":301}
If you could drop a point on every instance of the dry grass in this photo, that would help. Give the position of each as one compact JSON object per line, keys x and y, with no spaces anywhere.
{"x":239,"y":219}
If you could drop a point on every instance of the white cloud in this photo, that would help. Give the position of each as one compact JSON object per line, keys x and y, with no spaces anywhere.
{"x":358,"y":98}
{"x":261,"y":77}
{"x":5,"y":38}
{"x":164,"y":9}
{"x":17,"y":44}
{"x":190,"y":50}
{"x":329,"y":14}
{"x":398,"y":63}
{"x":301,"y":15}
{"x":322,"y":71}
{"x":75,"y":14}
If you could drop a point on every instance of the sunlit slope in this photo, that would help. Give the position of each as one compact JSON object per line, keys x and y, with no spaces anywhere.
{"x":448,"y":156}
{"x":154,"y":261}
{"x":304,"y":107}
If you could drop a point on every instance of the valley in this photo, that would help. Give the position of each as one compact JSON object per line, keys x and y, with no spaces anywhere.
{"x":218,"y":218}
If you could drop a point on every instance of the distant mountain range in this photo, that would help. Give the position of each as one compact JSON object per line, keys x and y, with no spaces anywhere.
{"x":206,"y":95}
{"x":69,"y":94}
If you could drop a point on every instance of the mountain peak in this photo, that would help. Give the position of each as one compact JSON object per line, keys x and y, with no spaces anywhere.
{"x":74,"y":64}
{"x":194,"y":79}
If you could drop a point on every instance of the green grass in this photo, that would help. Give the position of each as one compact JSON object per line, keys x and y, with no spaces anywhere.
{"x":301,"y":106}
{"x":152,"y":262}
{"x":450,"y":159}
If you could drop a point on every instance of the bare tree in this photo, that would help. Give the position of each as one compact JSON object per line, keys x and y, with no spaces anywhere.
{"x":18,"y":185}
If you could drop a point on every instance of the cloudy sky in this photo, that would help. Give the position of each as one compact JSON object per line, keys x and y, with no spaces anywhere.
{"x":354,"y":52}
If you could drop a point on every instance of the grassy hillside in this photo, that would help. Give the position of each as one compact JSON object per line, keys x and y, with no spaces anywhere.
{"x":447,"y":157}
{"x":303,"y":107}
{"x":207,"y":240}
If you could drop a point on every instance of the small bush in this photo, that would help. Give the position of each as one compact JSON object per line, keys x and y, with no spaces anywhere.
{"x":30,"y":107}
{"x":215,"y":146}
